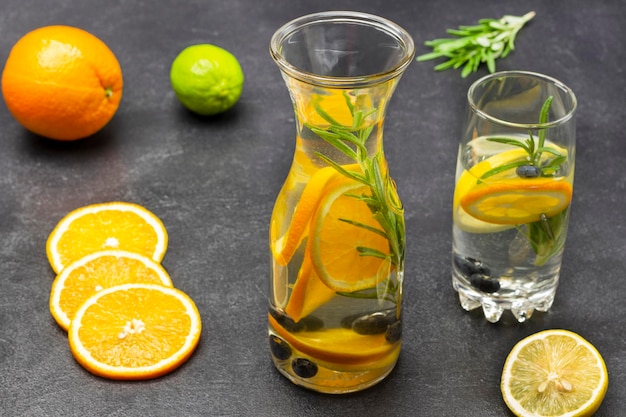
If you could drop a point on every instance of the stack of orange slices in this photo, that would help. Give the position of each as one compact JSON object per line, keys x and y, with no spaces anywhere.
{"x":123,"y":316}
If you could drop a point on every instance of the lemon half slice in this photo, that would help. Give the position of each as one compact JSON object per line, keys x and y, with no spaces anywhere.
{"x":554,"y":373}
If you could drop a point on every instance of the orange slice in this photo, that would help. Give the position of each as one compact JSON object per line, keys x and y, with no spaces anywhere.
{"x":335,"y":242}
{"x":309,"y":292}
{"x":284,"y":247}
{"x":340,"y":347}
{"x":115,"y":225}
{"x":517,"y":201}
{"x":469,"y":179}
{"x":83,"y":278}
{"x":135,"y":331}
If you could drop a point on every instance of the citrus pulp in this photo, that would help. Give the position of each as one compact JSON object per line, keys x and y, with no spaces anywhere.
{"x":96,"y":227}
{"x":554,"y":373}
{"x":83,"y":278}
{"x":337,"y":259}
{"x":135,"y":331}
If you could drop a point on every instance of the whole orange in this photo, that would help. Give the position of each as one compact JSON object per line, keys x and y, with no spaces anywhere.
{"x":62,"y":82}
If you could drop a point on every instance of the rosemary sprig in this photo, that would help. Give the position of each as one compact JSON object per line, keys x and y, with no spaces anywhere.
{"x":534,"y":150}
{"x":381,"y":200}
{"x":546,"y":235}
{"x":485,"y":42}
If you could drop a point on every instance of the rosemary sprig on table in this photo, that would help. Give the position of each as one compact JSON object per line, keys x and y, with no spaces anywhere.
{"x":382,"y":201}
{"x":485,"y":42}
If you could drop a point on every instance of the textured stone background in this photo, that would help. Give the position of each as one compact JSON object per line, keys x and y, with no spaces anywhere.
{"x":213,"y":182}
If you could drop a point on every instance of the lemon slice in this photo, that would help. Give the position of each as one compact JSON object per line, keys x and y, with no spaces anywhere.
{"x":554,"y":373}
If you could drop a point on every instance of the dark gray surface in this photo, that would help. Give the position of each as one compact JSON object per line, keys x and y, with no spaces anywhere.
{"x":213,"y":182}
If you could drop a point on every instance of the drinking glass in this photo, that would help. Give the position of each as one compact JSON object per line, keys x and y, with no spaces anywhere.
{"x":514,"y":183}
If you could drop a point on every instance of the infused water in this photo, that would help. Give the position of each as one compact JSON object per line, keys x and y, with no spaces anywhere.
{"x":337,"y":270}
{"x":510,"y":224}
{"x":337,"y":231}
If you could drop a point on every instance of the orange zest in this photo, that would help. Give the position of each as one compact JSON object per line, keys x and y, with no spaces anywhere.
{"x":115,"y":225}
{"x":135,"y":331}
{"x":62,"y":82}
{"x":85,"y":277}
{"x":517,"y":201}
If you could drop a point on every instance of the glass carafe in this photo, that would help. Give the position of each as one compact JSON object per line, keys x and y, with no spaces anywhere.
{"x":337,"y":232}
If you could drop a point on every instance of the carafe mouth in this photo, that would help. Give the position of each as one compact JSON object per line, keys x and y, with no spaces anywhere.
{"x":342,"y":49}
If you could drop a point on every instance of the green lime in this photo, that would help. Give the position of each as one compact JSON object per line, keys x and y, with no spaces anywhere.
{"x":206,"y":79}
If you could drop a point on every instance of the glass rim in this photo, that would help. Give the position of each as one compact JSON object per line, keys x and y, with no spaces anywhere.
{"x":523,"y":74}
{"x":391,"y":28}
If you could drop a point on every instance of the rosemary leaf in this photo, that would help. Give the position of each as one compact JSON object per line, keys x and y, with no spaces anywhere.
{"x":543,"y":118}
{"x":325,"y":115}
{"x":366,"y":227}
{"x":335,"y":141}
{"x":350,"y":174}
{"x":512,"y":142}
{"x":371,"y":252}
{"x":502,"y":168}
{"x":549,"y":150}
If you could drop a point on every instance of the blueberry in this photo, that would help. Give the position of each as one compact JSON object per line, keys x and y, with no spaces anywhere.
{"x":394,"y":332}
{"x":470,"y":266}
{"x":528,"y":171}
{"x":484,"y":283}
{"x":304,"y":368}
{"x":374,"y":323}
{"x":347,"y":321}
{"x":310,"y":323}
{"x":280,"y":349}
{"x":287,"y":322}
